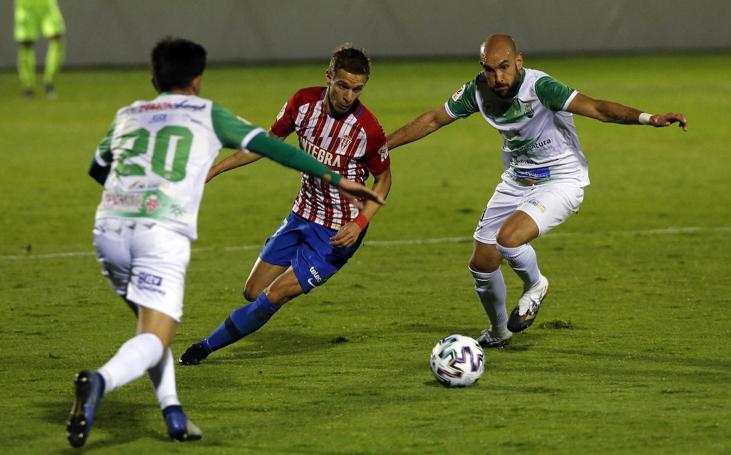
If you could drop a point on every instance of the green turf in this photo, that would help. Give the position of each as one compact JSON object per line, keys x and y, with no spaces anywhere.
{"x":630,"y":354}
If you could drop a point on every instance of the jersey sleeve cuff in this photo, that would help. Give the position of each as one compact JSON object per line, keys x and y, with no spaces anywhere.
{"x":253,"y":133}
{"x":449,"y":111}
{"x":569,"y":100}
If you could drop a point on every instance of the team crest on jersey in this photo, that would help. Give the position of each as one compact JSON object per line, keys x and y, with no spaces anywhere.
{"x":152,"y":203}
{"x":345,"y":141}
{"x":458,"y":94}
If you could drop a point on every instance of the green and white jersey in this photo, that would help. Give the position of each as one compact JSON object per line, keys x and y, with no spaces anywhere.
{"x":540,"y":144}
{"x":160,"y":152}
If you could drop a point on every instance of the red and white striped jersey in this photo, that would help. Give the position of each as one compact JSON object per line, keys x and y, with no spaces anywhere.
{"x":353,"y":145}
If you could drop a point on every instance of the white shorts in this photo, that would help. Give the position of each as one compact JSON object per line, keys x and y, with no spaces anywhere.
{"x":548,"y":205}
{"x":144,"y":262}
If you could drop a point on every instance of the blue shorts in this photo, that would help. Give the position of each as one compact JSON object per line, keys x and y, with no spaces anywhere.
{"x":305,"y":246}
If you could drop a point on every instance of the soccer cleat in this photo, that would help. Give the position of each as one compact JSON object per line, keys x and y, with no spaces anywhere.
{"x":89,"y":387}
{"x":195,"y":353}
{"x":529,"y":303}
{"x":490,"y":340}
{"x":180,"y":428}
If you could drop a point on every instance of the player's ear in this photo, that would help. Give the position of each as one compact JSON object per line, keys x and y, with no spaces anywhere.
{"x":328,"y":77}
{"x":519,"y":61}
{"x":196,"y":84}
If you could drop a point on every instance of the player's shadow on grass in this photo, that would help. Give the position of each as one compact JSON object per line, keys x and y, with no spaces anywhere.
{"x":274,"y":343}
{"x":116,"y":423}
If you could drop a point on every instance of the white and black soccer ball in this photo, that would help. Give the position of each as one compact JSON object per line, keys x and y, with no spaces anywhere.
{"x":457,"y":361}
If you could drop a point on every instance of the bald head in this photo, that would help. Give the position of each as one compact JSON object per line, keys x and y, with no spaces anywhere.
{"x":502,"y":63}
{"x":498,"y":46}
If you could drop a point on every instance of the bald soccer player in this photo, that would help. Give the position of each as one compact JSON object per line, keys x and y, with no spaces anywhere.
{"x":545,"y":171}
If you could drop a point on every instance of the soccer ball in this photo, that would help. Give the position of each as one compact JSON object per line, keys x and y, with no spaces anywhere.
{"x":457,"y":361}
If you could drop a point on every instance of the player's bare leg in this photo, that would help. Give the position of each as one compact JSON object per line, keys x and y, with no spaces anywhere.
{"x":262,"y":275}
{"x":513,"y":244}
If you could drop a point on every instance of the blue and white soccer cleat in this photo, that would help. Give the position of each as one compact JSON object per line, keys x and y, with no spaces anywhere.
{"x":180,"y":428}
{"x":529,"y":303}
{"x":89,"y":386}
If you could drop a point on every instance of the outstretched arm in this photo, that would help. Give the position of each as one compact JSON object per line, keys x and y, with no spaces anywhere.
{"x":237,"y":159}
{"x":425,"y":124}
{"x":349,"y":233}
{"x":607,"y":111}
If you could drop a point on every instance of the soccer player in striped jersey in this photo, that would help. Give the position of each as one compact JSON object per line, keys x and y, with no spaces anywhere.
{"x":545,"y":171}
{"x":153,"y":165}
{"x":323,"y":230}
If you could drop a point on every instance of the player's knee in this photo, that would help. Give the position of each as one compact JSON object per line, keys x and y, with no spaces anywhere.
{"x":509,"y":239}
{"x":250,"y":294}
{"x":485,"y":263}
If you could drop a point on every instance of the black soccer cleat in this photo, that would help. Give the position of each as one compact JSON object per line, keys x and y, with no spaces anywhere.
{"x":195,"y":354}
{"x":89,"y":386}
{"x":529,"y":303}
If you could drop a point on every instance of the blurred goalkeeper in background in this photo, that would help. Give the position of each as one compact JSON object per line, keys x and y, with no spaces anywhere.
{"x":153,"y":165}
{"x":34,"y":18}
{"x":545,"y":171}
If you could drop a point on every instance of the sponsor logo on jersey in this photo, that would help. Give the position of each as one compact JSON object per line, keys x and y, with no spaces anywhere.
{"x":163,"y":106}
{"x":328,"y":159}
{"x":458,"y":94}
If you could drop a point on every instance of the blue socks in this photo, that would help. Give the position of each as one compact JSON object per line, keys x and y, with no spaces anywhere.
{"x":241,"y":322}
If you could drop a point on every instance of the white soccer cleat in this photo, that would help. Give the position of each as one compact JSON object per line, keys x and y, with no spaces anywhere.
{"x":529,"y":303}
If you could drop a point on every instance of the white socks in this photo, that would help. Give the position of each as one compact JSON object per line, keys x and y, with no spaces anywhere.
{"x":490,"y":287}
{"x":523,"y":261}
{"x":132,"y":360}
{"x":162,"y":376}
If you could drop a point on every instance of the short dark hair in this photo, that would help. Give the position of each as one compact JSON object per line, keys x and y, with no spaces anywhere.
{"x":352,"y":60}
{"x":176,"y":62}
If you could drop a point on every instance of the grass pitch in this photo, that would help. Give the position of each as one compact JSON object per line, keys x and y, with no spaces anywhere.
{"x":631,"y":352}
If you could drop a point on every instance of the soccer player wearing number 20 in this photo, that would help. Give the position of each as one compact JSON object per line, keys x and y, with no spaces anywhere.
{"x":153,"y":165}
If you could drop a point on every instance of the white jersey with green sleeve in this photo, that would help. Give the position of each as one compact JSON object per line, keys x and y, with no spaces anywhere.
{"x":160,"y":152}
{"x":540,"y":144}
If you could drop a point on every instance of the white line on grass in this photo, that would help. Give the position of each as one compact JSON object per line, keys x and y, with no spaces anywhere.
{"x":387,"y":243}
